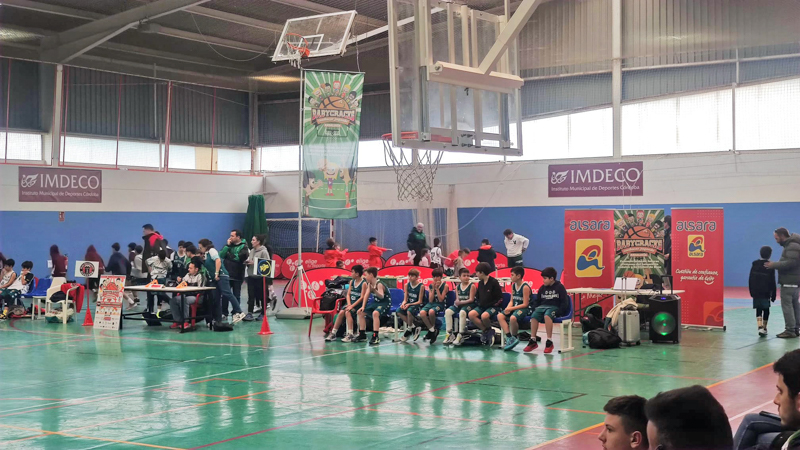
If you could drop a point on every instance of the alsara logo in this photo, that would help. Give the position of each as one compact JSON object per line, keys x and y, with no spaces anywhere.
{"x":559,"y":177}
{"x":589,"y":258}
{"x":697,"y":246}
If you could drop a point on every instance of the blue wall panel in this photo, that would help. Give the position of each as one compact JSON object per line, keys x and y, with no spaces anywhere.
{"x":34,"y":232}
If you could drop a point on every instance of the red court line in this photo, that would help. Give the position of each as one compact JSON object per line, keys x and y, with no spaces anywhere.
{"x":736,"y":394}
{"x":314,"y":419}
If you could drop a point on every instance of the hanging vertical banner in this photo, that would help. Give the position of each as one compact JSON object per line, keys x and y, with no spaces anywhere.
{"x":589,"y":252}
{"x":331,"y":129}
{"x":698,"y":261}
{"x":639,"y":244}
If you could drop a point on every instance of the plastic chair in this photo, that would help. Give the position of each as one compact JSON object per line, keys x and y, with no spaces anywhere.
{"x":322,"y":312}
{"x":565,"y":329}
{"x":48,"y":305}
{"x":37,"y":295}
{"x":397,"y":299}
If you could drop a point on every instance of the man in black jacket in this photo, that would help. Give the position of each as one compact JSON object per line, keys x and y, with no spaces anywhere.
{"x":552,"y":301}
{"x":153,"y":243}
{"x":488,"y":297}
{"x":234,"y":256}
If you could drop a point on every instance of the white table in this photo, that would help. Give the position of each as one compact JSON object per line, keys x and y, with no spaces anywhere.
{"x":174,"y":290}
{"x":606,"y":293}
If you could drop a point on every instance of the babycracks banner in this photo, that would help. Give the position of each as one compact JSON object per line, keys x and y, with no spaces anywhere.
{"x":331,"y":129}
{"x":639,"y":244}
{"x":589,"y":251}
{"x":698,"y":243}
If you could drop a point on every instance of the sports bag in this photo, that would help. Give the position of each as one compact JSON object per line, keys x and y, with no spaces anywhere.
{"x":602,"y":339}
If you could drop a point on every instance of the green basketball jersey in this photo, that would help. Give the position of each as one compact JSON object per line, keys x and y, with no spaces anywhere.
{"x":355,"y":291}
{"x":387,"y":296}
{"x":463,"y":294}
{"x":434,"y":298}
{"x":517,"y":296}
{"x":414,"y":292}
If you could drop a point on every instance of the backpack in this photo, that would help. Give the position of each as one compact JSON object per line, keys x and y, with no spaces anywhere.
{"x":328,"y":300}
{"x":602,"y":339}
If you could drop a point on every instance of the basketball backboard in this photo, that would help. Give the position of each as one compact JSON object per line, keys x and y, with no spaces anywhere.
{"x":322,"y":35}
{"x":454,"y":77}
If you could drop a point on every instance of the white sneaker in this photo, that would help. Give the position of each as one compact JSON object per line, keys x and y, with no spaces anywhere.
{"x":762,"y":331}
{"x":449,"y":338}
{"x":236,"y":318}
{"x":330,"y":337}
{"x":348,"y":338}
{"x":417,"y":331}
{"x":459,"y":339}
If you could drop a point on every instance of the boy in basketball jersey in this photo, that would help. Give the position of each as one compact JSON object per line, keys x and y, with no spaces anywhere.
{"x":518,"y":310}
{"x":412,"y":302}
{"x":465,"y":302}
{"x":355,"y":296}
{"x":436,"y":303}
{"x":381,"y":303}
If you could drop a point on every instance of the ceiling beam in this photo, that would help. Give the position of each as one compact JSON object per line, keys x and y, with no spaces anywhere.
{"x":325,"y":9}
{"x":235,"y":18}
{"x":124,"y":20}
{"x":66,"y":52}
{"x":166,"y":31}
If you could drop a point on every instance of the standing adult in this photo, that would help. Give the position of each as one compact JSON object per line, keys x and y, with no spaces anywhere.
{"x":153,"y":242}
{"x":92,"y":255}
{"x":516,"y":244}
{"x":59,"y":262}
{"x":234,"y":255}
{"x":256,"y":283}
{"x":117,"y":263}
{"x":416,"y":242}
{"x":788,"y":268}
{"x":218,"y":277}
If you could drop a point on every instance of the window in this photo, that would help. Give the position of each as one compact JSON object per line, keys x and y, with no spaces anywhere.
{"x":82,"y":150}
{"x":182,"y":157}
{"x":685,"y":124}
{"x":282,"y":158}
{"x":768,"y":115}
{"x":21,"y":146}
{"x":231,"y":160}
{"x":370,"y":154}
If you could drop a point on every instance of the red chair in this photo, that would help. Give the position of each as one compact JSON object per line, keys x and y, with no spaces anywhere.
{"x":329,"y":314}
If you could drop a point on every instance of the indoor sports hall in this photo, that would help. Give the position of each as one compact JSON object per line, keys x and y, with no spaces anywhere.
{"x":516,"y":224}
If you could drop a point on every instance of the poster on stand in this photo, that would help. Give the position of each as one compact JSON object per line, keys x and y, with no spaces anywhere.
{"x":588,"y":253}
{"x":109,"y":302}
{"x":331,"y":130}
{"x":639,"y":244}
{"x":698,"y":262}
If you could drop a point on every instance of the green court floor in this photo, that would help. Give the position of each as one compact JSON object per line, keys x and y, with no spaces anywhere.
{"x":70,"y":387}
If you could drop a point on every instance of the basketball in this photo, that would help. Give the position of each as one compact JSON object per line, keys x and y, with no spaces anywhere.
{"x":333,"y":102}
{"x":638,"y":232}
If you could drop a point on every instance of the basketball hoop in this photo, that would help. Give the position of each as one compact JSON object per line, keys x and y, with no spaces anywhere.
{"x":414,"y":175}
{"x":297,"y":49}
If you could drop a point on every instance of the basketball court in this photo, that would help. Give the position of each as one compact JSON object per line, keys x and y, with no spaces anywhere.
{"x":648,"y":149}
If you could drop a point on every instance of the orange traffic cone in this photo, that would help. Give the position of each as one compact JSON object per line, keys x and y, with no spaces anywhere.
{"x":265,"y":327}
{"x":87,"y":320}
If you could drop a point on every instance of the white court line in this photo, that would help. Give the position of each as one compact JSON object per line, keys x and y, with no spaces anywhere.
{"x":750,"y":410}
{"x":185,"y":381}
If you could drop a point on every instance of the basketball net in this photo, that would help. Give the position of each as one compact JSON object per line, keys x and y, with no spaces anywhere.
{"x":298,"y":49}
{"x":414,"y":174}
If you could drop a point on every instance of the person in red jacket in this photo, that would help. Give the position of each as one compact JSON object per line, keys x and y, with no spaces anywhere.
{"x":333,"y":254}
{"x":375,"y":253}
{"x":92,"y":255}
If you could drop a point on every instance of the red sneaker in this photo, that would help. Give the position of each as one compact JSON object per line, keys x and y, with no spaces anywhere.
{"x":548,"y":348}
{"x":532,"y":345}
{"x":175,"y":325}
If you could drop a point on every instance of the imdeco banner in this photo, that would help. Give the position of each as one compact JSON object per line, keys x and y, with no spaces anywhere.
{"x":331,"y":129}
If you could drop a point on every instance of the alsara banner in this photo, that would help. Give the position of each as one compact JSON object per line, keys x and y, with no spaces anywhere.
{"x":331,"y":129}
{"x":639,"y":244}
{"x":589,"y":251}
{"x":698,"y":261}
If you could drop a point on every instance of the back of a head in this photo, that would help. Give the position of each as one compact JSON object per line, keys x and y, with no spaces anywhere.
{"x":484,"y":242}
{"x":465,"y":251}
{"x":10,"y":262}
{"x":766,"y":252}
{"x":162,"y":254}
{"x":132,"y":246}
{"x":139,"y":249}
{"x":689,"y":419}
{"x":331,"y":243}
{"x":783,"y":232}
{"x":54,"y":250}
{"x":437,"y":242}
{"x":115,"y":246}
{"x":147,"y":227}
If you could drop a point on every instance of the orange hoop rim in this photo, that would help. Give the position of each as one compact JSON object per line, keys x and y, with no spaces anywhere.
{"x":414,"y":135}
{"x":303,"y":49}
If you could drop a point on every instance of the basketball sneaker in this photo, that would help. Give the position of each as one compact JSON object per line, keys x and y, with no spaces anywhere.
{"x":548,"y":347}
{"x":532,"y":345}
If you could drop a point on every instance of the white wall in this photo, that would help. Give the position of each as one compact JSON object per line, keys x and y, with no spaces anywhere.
{"x":125,"y":190}
{"x":763,"y":176}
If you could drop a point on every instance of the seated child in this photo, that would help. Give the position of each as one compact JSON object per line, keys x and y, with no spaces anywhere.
{"x":436,"y":304}
{"x":518,"y":310}
{"x":192,"y":278}
{"x":465,"y":302}
{"x":380,"y":306}
{"x":552,"y":301}
{"x":489,"y":296}
{"x":11,"y":285}
{"x":412,"y":303}
{"x":355,"y":295}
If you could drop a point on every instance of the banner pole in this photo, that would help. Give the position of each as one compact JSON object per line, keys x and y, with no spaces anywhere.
{"x":300,"y":193}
